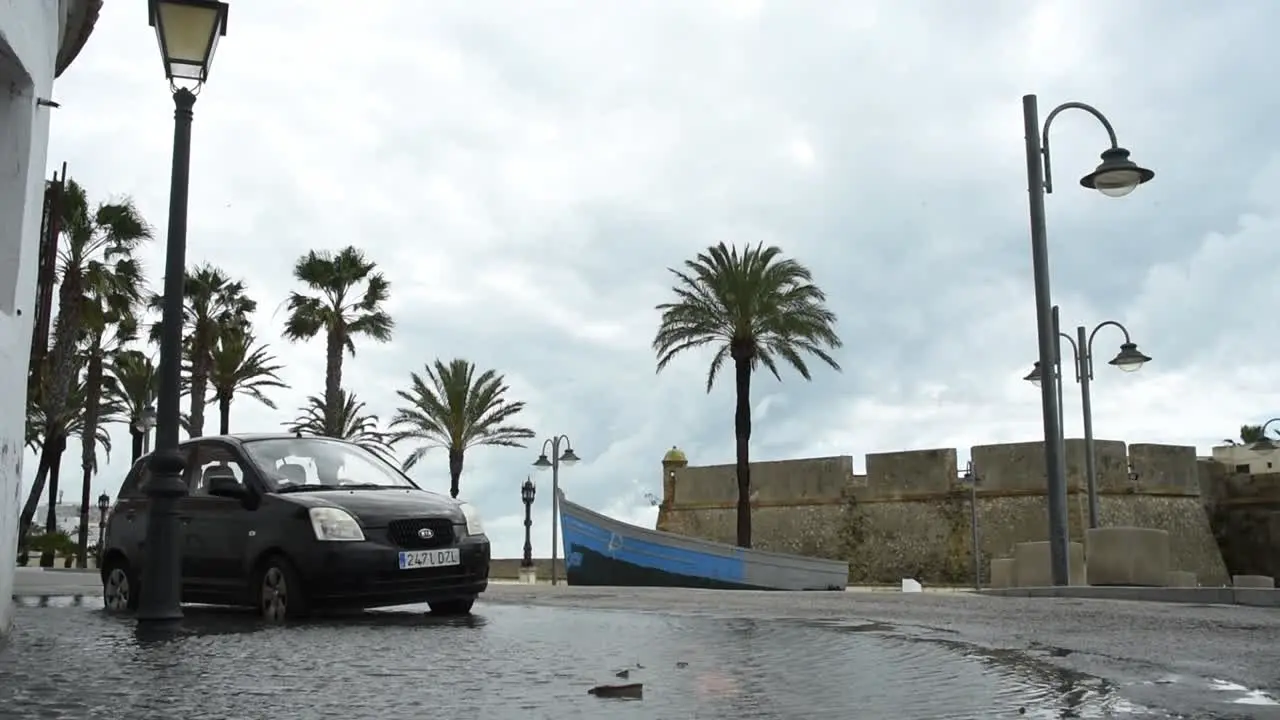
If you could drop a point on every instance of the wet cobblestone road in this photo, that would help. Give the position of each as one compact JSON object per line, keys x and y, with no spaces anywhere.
{"x":511,"y":661}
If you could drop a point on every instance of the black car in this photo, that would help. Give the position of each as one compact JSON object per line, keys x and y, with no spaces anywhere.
{"x":291,"y":523}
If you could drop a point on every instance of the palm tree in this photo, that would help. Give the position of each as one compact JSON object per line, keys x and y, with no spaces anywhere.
{"x":241,"y":365}
{"x":95,"y":242}
{"x":353,"y":424}
{"x":457,"y":411}
{"x":134,"y":389}
{"x":70,"y":424}
{"x":341,"y":309}
{"x":110,"y":322}
{"x":213,"y":304}
{"x":755,"y":308}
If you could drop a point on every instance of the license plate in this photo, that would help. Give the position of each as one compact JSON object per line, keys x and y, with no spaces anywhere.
{"x":415,"y":559}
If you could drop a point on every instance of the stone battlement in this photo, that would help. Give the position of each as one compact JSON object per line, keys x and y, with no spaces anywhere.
{"x":909,"y":515}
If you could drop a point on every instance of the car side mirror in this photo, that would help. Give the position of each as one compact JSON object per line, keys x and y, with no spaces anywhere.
{"x":227,"y":487}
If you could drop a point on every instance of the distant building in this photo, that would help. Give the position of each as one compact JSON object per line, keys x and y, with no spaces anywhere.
{"x":38,"y":40}
{"x":1245,"y":460}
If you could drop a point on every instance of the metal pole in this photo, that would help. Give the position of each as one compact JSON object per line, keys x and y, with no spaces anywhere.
{"x":1057,"y":377}
{"x":555,"y":505}
{"x":973,"y":523}
{"x":1085,"y":371}
{"x":161,"y":593}
{"x":1048,"y":340}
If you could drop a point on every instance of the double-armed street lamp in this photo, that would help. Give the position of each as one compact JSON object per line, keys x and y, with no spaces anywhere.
{"x":527,"y":492}
{"x":1128,"y":359}
{"x":971,"y":479}
{"x":567,"y":457}
{"x":188,"y":32}
{"x":1115,"y":176}
{"x":1264,"y":443}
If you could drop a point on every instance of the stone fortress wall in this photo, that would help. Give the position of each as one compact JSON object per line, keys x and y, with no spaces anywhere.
{"x":909,"y":515}
{"x":1244,"y":512}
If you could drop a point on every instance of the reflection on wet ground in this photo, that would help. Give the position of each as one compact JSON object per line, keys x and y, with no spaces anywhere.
{"x":518,"y":662}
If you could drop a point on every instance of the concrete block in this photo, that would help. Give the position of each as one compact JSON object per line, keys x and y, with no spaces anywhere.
{"x":1031,"y":567}
{"x":1002,"y":573}
{"x":1257,"y":597}
{"x":1128,"y":556}
{"x":528,"y":575}
{"x":1253,"y":581}
{"x":1181,"y":579}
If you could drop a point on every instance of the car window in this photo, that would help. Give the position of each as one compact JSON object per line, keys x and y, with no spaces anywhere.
{"x":213,"y":459}
{"x":318,"y":463}
{"x":132,"y":488}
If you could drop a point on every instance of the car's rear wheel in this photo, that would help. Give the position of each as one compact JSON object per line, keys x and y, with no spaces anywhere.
{"x":452,"y":608}
{"x":279,"y":592}
{"x":120,"y":587}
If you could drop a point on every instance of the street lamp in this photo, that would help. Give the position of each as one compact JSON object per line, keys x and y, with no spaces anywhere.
{"x":1129,"y":359}
{"x":542,"y":463}
{"x":104,"y":504}
{"x":142,"y":425}
{"x":971,"y":479}
{"x":1116,"y":176}
{"x":1265,"y":444}
{"x":527,"y":492}
{"x":188,"y":33}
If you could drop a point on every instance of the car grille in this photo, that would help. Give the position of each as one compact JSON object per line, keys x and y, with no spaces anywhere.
{"x":404,"y":533}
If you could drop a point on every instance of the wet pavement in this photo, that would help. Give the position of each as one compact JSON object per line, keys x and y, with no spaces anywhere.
{"x":535,"y":652}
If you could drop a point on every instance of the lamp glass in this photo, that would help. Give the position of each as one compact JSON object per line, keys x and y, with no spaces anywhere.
{"x":542,"y":463}
{"x":1129,"y":359}
{"x":568,"y":457}
{"x":188,"y":34}
{"x":1117,"y":183}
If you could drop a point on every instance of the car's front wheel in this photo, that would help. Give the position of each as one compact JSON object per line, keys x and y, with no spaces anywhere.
{"x":120,"y":590}
{"x":279,"y":592}
{"x":452,"y":608}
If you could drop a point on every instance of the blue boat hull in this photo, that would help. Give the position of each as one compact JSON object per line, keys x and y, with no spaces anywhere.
{"x":599,"y":550}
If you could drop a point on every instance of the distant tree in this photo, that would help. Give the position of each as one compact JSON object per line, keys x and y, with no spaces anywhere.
{"x":347,"y":303}
{"x":241,"y":366}
{"x":456,"y":410}
{"x":754,"y":307}
{"x":353,"y":424}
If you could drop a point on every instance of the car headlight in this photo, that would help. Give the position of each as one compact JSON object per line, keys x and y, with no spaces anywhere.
{"x":472,"y":516}
{"x":335,"y":524}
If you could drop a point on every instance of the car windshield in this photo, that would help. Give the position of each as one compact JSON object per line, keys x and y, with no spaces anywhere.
{"x":304,"y":464}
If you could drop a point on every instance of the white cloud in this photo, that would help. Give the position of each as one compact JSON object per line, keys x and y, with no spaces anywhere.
{"x":525,"y":173}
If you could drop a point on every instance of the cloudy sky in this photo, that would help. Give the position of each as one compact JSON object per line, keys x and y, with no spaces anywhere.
{"x":526,"y":172}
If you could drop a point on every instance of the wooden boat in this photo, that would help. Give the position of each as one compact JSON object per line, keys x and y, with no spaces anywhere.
{"x":599,"y":550}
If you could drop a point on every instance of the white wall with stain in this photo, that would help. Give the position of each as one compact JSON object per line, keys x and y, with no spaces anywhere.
{"x":30,"y":35}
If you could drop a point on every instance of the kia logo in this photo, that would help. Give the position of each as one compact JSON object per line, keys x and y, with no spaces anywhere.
{"x":426,"y":533}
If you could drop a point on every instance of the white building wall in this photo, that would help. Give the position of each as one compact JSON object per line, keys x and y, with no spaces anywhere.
{"x":30,"y":32}
{"x":1238,"y":457}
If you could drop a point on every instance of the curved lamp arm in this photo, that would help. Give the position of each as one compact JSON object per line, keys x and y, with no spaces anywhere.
{"x":1044,"y":134}
{"x":1089,"y":346}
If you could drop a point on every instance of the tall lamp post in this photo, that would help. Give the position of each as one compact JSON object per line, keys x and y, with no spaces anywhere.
{"x":1115,"y":176}
{"x":1129,"y":359}
{"x":567,"y":458}
{"x":104,"y":504}
{"x":188,"y":33}
{"x":527,"y":493}
{"x":1265,"y":444}
{"x":971,"y":479}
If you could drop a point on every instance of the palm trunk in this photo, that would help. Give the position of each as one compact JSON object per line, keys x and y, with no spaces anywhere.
{"x":136,"y":438}
{"x":37,"y":490}
{"x":199,"y":387}
{"x":333,"y":383}
{"x":455,"y":471}
{"x":224,"y":414}
{"x":88,"y":450}
{"x":742,"y":436}
{"x":51,"y":517}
